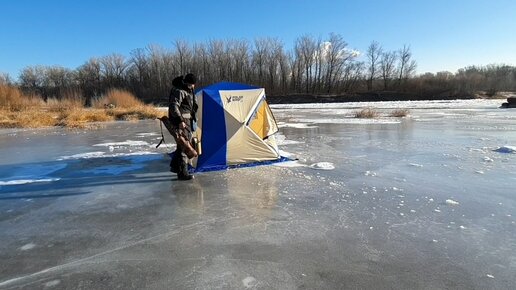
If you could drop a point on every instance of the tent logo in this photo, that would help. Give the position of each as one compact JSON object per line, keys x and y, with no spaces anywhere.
{"x":234,"y":99}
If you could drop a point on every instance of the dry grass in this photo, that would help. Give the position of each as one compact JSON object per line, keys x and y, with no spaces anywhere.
{"x":11,"y":98}
{"x":118,"y":98}
{"x":399,"y":113}
{"x":18,"y":110}
{"x":135,"y":113}
{"x":80,"y":117}
{"x":65,"y":104}
{"x":28,"y":118}
{"x":368,"y":113}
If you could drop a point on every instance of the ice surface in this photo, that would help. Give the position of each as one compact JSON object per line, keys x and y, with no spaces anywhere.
{"x":115,"y":216}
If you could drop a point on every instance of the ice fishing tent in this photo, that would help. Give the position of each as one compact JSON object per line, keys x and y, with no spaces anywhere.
{"x":235,"y":127}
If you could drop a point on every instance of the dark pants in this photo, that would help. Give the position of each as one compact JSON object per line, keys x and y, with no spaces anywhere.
{"x":179,"y":163}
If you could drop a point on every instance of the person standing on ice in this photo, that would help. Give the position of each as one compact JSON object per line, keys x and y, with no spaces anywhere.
{"x":182,"y":111}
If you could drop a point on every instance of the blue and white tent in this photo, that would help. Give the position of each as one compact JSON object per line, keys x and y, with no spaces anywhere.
{"x":235,"y":127}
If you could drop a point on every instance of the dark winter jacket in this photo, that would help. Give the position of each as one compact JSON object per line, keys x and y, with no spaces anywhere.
{"x":182,"y":105}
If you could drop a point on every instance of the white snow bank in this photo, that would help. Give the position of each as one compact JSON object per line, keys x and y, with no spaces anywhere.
{"x":438,"y":104}
{"x":26,"y":181}
{"x":506,"y":149}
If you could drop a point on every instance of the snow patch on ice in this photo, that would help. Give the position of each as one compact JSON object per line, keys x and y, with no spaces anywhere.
{"x":249,"y":282}
{"x":297,"y":125}
{"x":289,"y":164}
{"x":52,"y":283}
{"x":323,"y":166}
{"x":488,"y":159}
{"x":506,"y":149}
{"x":415,"y":165}
{"x":99,"y":154}
{"x":370,"y":173}
{"x":124,"y":143}
{"x":147,"y":134}
{"x":287,"y":154}
{"x":26,"y":181}
{"x":451,"y":202}
{"x":351,"y":121}
{"x":95,"y":154}
{"x":282,"y":140}
{"x":28,"y":246}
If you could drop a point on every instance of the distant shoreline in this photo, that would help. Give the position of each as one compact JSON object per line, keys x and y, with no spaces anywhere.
{"x":368,"y":97}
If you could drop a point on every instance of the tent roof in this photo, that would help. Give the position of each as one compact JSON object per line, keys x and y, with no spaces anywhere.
{"x":227,"y":86}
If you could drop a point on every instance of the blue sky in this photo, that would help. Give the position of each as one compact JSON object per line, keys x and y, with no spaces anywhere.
{"x":443,"y":35}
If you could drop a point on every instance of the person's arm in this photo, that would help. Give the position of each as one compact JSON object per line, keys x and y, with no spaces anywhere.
{"x":174,"y":114}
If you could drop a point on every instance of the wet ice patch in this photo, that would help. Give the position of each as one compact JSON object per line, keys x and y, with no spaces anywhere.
{"x":323,"y":166}
{"x":506,"y":149}
{"x":28,"y":246}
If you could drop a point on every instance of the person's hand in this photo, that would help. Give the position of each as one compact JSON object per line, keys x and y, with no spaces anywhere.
{"x":182,"y":125}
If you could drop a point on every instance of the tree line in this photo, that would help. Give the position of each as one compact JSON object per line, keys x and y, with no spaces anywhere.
{"x":313,"y":66}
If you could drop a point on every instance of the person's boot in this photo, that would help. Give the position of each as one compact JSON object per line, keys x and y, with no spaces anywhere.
{"x":181,"y":176}
{"x":174,"y":163}
{"x":183,"y":173}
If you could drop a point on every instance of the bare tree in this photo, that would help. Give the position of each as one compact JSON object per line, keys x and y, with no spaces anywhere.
{"x":388,"y":67}
{"x":374,"y":51}
{"x":112,"y":69}
{"x":336,"y":56}
{"x":32,"y":79}
{"x":306,"y":48}
{"x":5,"y":79}
{"x":407,"y":66}
{"x":183,"y":54}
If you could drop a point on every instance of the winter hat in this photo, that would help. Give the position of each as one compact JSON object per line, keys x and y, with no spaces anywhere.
{"x":190,"y":79}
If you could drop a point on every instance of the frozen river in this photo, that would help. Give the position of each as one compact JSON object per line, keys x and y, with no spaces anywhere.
{"x":422,"y":202}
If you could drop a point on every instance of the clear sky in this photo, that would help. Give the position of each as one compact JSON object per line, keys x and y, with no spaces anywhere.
{"x":443,"y":34}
